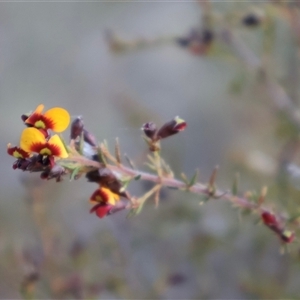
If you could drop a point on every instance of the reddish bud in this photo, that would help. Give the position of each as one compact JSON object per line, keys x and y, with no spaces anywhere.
{"x":172,"y":127}
{"x":287,"y":236}
{"x":15,"y":165}
{"x":76,"y":128}
{"x":269,"y":219}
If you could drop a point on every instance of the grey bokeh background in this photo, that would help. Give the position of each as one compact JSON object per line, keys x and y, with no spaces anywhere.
{"x":56,"y":54}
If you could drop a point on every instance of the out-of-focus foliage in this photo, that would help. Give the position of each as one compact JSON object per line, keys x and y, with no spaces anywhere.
{"x":57,"y":54}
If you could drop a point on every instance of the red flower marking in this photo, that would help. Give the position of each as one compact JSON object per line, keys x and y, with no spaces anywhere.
{"x":180,"y":126}
{"x":101,"y":209}
{"x":46,"y":149}
{"x":39,"y":121}
{"x":17,"y":152}
{"x":56,"y":119}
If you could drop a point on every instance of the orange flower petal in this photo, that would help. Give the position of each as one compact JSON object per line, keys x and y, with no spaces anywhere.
{"x":39,"y":109}
{"x":56,"y":142}
{"x":31,"y":136}
{"x":59,"y":117}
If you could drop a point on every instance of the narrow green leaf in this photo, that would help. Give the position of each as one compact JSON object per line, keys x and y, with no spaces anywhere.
{"x":118,"y":151}
{"x":74,"y":173}
{"x":64,"y":143}
{"x":150,"y":166}
{"x":194,"y":179}
{"x":125,"y":184}
{"x":130,"y":162}
{"x":184,"y":178}
{"x":151,"y":159}
{"x":81,"y":144}
{"x":101,"y":155}
{"x":139,"y":209}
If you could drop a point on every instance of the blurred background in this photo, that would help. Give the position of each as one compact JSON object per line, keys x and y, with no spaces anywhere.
{"x":119,"y":65}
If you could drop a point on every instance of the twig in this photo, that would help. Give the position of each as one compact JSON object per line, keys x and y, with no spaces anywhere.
{"x":198,"y":188}
{"x":281,"y":100}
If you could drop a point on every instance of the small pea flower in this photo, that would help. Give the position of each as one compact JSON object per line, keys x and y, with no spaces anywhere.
{"x":105,"y":195}
{"x":105,"y":200}
{"x":57,"y":119}
{"x":107,"y":179}
{"x":33,"y":140}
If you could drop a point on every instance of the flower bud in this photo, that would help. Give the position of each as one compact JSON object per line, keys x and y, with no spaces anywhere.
{"x":287,"y":236}
{"x":56,"y":172}
{"x":197,"y":41}
{"x":24,"y":117}
{"x":269,"y":219}
{"x":76,"y":128}
{"x":253,"y":18}
{"x":149,"y":129}
{"x":22,"y":164}
{"x":89,"y":138}
{"x":174,"y":126}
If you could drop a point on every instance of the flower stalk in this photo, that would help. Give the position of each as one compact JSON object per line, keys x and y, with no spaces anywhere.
{"x":54,"y":158}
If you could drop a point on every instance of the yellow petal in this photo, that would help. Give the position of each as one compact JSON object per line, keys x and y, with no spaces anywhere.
{"x":60,"y":118}
{"x":111,"y":197}
{"x":31,"y":136}
{"x":56,"y":141}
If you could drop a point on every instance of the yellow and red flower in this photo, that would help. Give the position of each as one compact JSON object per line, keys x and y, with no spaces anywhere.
{"x":33,"y":140}
{"x":57,"y":119}
{"x":17,"y":152}
{"x":104,"y":200}
{"x":104,"y":195}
